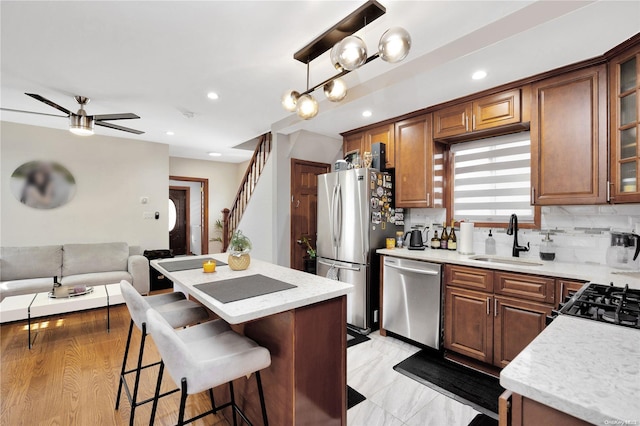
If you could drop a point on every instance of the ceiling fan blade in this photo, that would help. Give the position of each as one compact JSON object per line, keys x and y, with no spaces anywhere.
{"x":123,"y":116}
{"x":48,"y":102}
{"x":33,"y":112}
{"x":116,"y":127}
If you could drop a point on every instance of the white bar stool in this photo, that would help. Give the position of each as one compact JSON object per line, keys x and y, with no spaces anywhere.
{"x":176,"y":310}
{"x":200,"y":361}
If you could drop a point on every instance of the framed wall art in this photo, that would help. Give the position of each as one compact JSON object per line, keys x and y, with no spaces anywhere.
{"x":43,"y":184}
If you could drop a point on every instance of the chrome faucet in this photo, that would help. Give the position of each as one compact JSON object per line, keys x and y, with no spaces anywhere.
{"x":513,"y":230}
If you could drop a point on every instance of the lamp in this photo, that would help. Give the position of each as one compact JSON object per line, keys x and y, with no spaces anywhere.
{"x":307,"y":107}
{"x":352,"y":53}
{"x":289,"y":100}
{"x":81,"y":124}
{"x":394,"y":45}
{"x":335,"y":90}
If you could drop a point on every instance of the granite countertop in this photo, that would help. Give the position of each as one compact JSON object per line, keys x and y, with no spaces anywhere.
{"x":309,"y":289}
{"x":600,"y":274}
{"x":588,"y":369}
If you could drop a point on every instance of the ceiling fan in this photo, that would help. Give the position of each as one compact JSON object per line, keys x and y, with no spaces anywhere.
{"x":79,"y":122}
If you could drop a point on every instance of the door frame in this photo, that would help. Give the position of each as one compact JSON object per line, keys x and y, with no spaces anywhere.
{"x":187,"y":191}
{"x":204,"y":240}
{"x":293,"y":238}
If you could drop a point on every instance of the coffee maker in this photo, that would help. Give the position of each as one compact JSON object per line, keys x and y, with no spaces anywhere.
{"x":623,"y":250}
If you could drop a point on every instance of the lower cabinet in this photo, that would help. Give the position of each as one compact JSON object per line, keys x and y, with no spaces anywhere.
{"x":516,"y":410}
{"x":468,"y":323}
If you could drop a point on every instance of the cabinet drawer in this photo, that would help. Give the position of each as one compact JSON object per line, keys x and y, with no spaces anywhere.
{"x":529,"y":287}
{"x":473,"y":278}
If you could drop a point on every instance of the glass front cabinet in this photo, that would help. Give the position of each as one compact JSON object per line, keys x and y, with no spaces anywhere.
{"x":625,"y":126}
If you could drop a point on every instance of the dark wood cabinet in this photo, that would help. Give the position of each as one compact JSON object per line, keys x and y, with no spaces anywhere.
{"x":353,"y":143}
{"x":624,"y":72}
{"x":528,"y":287}
{"x":515,"y":323}
{"x":468,"y":323}
{"x":569,"y":138}
{"x":516,"y":410}
{"x":567,"y":288}
{"x":414,"y":160}
{"x":384,"y":134}
{"x":471,"y":278}
{"x":485,"y":113}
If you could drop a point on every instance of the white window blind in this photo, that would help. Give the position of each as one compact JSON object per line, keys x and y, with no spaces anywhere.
{"x":492,"y":179}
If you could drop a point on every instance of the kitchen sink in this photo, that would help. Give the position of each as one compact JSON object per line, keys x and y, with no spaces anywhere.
{"x":506,"y":260}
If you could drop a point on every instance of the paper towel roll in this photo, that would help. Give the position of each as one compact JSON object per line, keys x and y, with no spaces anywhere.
{"x":465,"y":241}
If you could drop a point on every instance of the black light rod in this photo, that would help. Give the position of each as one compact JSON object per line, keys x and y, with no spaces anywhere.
{"x":344,"y":72}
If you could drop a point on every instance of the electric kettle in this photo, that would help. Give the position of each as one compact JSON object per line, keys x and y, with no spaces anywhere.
{"x":623,"y":251}
{"x":415,"y":242}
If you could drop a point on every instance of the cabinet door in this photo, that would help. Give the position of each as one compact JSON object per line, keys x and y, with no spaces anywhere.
{"x":496,"y":110}
{"x":530,"y":287}
{"x":625,"y":126}
{"x":353,"y":143}
{"x":516,"y":323}
{"x":451,"y":121}
{"x":468,"y":323}
{"x":385,"y":135}
{"x":414,"y":162}
{"x":566,"y":288}
{"x":569,"y":138}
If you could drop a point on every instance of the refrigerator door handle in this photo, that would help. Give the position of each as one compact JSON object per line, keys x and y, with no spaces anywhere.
{"x":339,"y":215}
{"x":333,"y":265}
{"x":332,"y":219}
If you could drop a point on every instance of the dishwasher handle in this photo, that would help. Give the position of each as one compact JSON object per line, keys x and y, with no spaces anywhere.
{"x":333,"y":265}
{"x":417,"y":271}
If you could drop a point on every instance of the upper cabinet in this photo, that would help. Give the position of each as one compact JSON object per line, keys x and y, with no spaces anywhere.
{"x":625,"y":126}
{"x":353,"y":143}
{"x":569,"y":138}
{"x":486,"y":113}
{"x":418,"y":164}
{"x":384,"y":134}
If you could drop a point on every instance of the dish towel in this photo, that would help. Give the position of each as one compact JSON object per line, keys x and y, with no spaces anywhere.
{"x":332,"y":274}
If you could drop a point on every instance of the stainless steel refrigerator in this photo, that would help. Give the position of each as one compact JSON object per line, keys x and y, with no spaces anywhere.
{"x":355,"y":216}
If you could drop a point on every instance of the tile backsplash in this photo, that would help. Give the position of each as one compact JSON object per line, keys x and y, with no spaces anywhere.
{"x":580,"y":233}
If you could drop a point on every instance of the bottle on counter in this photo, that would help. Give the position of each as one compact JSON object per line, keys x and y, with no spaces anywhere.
{"x":547,"y":249}
{"x":399,"y":239}
{"x":435,"y":241}
{"x":452,"y":243}
{"x":490,"y":244}
{"x":444,"y":238}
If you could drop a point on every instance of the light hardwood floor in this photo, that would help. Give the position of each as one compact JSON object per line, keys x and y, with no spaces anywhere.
{"x":70,"y":376}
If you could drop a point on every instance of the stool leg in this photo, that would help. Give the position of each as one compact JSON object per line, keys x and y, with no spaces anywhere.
{"x":156,"y":395}
{"x":124,"y":364}
{"x":213,"y":402}
{"x":233,"y":404}
{"x":183,"y":401}
{"x":134,"y":397}
{"x":261,"y":394}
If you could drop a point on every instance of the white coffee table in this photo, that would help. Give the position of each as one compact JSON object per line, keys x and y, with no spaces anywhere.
{"x":28,"y":306}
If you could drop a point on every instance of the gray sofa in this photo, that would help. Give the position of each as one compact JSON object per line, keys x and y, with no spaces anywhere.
{"x":25,"y":270}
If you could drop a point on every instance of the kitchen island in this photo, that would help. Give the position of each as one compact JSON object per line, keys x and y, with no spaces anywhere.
{"x":304,"y":329}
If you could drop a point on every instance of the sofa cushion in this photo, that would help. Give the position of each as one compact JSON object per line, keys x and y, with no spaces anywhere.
{"x":18,"y":263}
{"x":88,"y":258}
{"x":29,"y":286}
{"x":97,"y":278}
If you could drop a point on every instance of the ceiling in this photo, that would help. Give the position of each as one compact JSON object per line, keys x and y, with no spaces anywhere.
{"x":160,"y":59}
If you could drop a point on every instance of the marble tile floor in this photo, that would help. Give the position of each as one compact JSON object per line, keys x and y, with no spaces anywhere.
{"x":392,"y":398}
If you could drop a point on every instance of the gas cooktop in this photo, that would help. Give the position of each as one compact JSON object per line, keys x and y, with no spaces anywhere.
{"x":606,"y":303}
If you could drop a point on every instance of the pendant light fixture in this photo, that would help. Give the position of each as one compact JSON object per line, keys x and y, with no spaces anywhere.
{"x":348,"y":53}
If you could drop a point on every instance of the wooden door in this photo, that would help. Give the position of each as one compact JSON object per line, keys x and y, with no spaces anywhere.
{"x":451,"y":121}
{"x":414,"y":162}
{"x":468,"y":323}
{"x":384,"y":134}
{"x":516,"y":324}
{"x":569,"y":138}
{"x":179,"y":236}
{"x":353,"y":143}
{"x":496,"y":110}
{"x":304,"y":210}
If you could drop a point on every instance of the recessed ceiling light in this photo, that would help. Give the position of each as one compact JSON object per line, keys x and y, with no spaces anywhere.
{"x":479,"y":75}
{"x":366,"y":113}
{"x":212,"y":95}
{"x":170,"y":133}
{"x":215,"y":154}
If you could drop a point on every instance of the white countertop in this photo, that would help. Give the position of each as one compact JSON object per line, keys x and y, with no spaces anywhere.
{"x":310,"y":289}
{"x":600,"y":274}
{"x":585,"y":368}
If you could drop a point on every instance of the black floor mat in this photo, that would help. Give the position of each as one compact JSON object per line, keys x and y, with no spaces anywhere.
{"x":354,"y":338}
{"x":483,"y":420}
{"x":463,"y":384}
{"x":353,"y":397}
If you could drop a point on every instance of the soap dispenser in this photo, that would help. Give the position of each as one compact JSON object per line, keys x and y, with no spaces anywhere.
{"x":490,"y":244}
{"x":547,"y":249}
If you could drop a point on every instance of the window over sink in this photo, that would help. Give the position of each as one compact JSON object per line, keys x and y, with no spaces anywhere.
{"x":492,"y":179}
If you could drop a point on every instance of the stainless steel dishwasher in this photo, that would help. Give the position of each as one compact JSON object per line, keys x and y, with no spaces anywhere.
{"x":412,"y":300}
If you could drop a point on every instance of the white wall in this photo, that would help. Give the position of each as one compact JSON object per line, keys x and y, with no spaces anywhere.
{"x":111,"y":173}
{"x":223,"y":186}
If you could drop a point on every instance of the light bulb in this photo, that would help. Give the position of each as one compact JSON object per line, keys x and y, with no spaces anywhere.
{"x":394,"y":45}
{"x":307,"y":107}
{"x":289,"y":100}
{"x":81,"y":125}
{"x":335,"y":56}
{"x":335,"y":90}
{"x":352,"y":53}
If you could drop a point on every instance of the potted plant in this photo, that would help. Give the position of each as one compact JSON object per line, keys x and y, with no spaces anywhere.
{"x":310,"y":259}
{"x":239,"y":248}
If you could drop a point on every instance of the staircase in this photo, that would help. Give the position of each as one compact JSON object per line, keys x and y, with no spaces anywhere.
{"x":231,"y":217}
